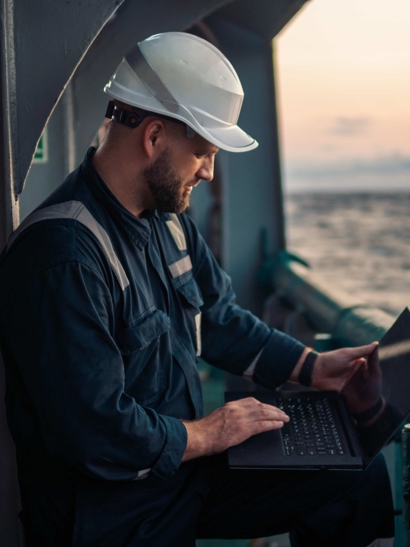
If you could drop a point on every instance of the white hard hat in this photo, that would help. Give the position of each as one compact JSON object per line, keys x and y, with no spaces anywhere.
{"x":184,"y":77}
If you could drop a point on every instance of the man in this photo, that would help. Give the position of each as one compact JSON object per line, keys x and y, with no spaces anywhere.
{"x":102,"y":293}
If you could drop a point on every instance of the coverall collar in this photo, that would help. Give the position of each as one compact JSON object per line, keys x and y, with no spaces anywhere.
{"x":138,"y":228}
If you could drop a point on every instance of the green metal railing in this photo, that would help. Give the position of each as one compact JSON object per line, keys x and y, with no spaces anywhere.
{"x":328,"y":309}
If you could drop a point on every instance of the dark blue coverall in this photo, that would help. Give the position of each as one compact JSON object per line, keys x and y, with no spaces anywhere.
{"x":100,"y":331}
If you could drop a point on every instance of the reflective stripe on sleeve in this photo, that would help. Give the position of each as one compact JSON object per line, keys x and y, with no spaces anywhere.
{"x":251,"y":369}
{"x":143,"y":474}
{"x":76,"y":210}
{"x":198,"y":318}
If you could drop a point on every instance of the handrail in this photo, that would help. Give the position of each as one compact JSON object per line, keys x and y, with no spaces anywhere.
{"x":327,"y":308}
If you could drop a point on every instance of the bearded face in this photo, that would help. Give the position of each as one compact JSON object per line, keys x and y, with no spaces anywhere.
{"x":171,"y":195}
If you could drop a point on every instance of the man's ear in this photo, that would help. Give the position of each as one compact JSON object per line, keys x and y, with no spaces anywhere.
{"x":154,"y":138}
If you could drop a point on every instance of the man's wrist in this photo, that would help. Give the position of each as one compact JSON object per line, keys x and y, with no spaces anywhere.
{"x":197,"y":443}
{"x":371,"y":415}
{"x":305,"y":374}
{"x":296,"y":371}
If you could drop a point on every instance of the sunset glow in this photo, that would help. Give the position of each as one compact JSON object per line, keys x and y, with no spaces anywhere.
{"x":343,"y":84}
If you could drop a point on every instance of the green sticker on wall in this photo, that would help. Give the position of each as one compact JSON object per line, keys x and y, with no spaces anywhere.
{"x":41,"y":153}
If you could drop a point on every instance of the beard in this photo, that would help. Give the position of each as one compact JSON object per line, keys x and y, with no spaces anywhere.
{"x":165,"y":185}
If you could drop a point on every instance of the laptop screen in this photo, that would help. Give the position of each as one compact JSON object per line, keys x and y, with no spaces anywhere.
{"x":389,"y":373}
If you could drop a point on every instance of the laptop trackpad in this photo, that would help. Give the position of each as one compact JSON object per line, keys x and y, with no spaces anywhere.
{"x":257,"y":456}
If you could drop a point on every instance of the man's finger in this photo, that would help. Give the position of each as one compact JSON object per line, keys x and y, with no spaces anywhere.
{"x":359,"y":363}
{"x":268,"y":426}
{"x":255,"y":408}
{"x":268,"y":414}
{"x":361,"y":351}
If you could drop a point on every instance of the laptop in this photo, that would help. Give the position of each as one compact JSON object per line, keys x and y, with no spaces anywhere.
{"x":321,"y":434}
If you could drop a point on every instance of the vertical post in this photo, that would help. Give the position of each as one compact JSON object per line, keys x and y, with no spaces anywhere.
{"x":252,"y":189}
{"x":69,"y":130}
{"x":9,"y":220}
{"x":280,"y":225}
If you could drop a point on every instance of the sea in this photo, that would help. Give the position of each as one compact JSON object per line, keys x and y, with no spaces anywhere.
{"x":358,"y":241}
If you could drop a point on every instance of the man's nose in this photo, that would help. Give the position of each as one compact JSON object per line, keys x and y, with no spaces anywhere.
{"x":206,"y":171}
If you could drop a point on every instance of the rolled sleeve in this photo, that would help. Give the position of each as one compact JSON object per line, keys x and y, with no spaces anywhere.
{"x":173,"y":450}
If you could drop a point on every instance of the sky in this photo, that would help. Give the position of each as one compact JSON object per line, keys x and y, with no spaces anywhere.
{"x":343,"y":92}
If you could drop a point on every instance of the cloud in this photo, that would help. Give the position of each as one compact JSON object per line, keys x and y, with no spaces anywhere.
{"x":388,"y":164}
{"x":348,"y":127}
{"x":379,"y":174}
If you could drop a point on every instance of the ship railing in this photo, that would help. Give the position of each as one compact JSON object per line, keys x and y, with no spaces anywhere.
{"x":346,"y":319}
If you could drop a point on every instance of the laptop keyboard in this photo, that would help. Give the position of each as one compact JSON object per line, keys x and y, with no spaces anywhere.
{"x":312,"y":429}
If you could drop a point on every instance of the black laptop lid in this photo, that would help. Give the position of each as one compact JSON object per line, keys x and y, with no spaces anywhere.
{"x":391,"y":360}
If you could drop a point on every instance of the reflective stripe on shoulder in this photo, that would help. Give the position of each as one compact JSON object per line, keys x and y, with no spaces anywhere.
{"x":76,"y":210}
{"x":69,"y":209}
{"x":181,"y":266}
{"x":174,"y":226}
{"x":184,"y":264}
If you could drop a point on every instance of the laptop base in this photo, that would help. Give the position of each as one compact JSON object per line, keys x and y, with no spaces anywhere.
{"x":283,"y":449}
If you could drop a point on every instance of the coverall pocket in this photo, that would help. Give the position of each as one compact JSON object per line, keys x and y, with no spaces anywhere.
{"x":188,"y":287}
{"x":142,"y":331}
{"x":139,"y":343}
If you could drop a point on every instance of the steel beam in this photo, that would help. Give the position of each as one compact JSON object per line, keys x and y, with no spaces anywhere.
{"x":9,"y":219}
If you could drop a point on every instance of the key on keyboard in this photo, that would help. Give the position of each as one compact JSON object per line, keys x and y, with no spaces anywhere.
{"x":311,"y":430}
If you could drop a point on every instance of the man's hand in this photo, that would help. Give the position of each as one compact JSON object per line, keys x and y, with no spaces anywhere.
{"x":364,"y":388}
{"x":230,"y":425}
{"x":334,"y":369}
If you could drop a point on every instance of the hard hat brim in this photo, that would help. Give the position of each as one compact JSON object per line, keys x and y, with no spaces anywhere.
{"x":231,"y":139}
